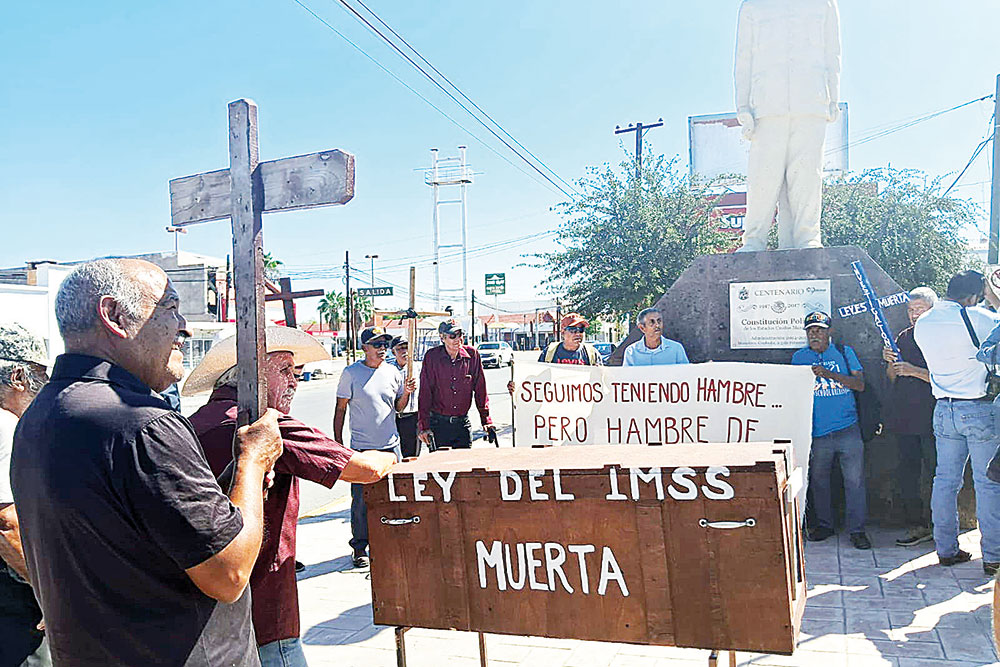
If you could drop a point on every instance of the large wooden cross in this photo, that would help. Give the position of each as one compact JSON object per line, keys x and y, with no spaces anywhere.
{"x":243,"y":193}
{"x":283,"y":292}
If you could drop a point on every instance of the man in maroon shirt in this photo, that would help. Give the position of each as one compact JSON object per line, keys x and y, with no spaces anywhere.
{"x":451,"y":375}
{"x":308,"y":454}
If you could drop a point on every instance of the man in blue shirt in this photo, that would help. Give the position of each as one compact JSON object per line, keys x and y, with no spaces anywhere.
{"x":835,"y":429}
{"x":653,"y":349}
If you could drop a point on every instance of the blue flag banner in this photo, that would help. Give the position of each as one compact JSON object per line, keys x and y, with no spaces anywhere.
{"x":875,"y":308}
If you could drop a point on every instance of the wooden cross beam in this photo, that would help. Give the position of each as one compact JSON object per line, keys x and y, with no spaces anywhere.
{"x":245,"y":191}
{"x":285,"y":294}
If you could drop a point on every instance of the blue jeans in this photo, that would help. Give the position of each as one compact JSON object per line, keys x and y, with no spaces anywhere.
{"x":964,"y":428}
{"x":846,"y":444}
{"x":359,"y":512}
{"x":282,"y":653}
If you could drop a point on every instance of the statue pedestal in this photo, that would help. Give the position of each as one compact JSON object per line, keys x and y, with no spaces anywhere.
{"x":696,"y":312}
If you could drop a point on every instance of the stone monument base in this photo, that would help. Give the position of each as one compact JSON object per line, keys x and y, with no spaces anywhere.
{"x":696,"y":312}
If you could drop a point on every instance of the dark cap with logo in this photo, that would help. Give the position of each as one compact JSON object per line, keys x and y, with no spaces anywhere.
{"x":449,"y":327}
{"x":817,"y":318}
{"x":372,"y":334}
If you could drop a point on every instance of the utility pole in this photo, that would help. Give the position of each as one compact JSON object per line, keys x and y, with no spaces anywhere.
{"x":639,"y":130}
{"x":349,"y":349}
{"x":472,"y":324}
{"x":995,"y":197}
{"x":372,"y":258}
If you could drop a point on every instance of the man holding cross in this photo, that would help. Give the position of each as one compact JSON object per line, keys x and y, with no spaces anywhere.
{"x":137,"y":555}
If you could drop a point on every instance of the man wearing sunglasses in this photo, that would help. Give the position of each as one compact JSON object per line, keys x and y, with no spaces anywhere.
{"x":451,"y":376}
{"x":572,"y":349}
{"x":375,"y":391}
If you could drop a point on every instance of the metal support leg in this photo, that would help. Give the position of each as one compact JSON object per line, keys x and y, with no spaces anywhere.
{"x":400,"y":646}
{"x":482,"y":650}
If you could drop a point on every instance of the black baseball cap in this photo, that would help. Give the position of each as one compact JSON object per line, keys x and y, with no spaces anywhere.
{"x":374,"y":333}
{"x":450,"y":327}
{"x":817,"y":318}
{"x":397,"y":341}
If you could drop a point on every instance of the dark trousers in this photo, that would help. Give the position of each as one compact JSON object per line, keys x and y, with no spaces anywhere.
{"x":19,"y":617}
{"x":846,"y":446}
{"x":917,"y":460}
{"x":454,"y":432}
{"x":406,"y":426}
{"x":359,"y":513}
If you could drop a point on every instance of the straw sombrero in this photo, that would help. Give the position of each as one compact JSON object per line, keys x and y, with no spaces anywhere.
{"x":222,"y":356}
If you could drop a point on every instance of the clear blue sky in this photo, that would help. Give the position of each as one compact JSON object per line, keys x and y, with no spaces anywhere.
{"x":102,"y":103}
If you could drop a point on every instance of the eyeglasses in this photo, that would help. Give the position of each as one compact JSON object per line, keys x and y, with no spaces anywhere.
{"x":453,"y":336}
{"x":380,"y":344}
{"x":575,"y":329}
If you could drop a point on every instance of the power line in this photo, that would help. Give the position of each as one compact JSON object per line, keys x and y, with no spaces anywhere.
{"x":412,"y":90}
{"x":975,"y":154}
{"x":464,"y":96}
{"x":447,"y":92}
{"x":904,"y":125}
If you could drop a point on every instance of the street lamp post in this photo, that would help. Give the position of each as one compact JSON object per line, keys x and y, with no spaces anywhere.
{"x":175,"y":231}
{"x":372,"y":258}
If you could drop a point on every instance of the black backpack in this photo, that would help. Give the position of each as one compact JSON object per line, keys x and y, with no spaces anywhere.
{"x":869,"y":407}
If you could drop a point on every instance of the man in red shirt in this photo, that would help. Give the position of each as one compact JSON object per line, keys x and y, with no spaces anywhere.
{"x":451,"y":375}
{"x":308,"y":454}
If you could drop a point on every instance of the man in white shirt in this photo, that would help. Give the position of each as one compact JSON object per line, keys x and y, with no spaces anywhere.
{"x":949,"y":335}
{"x":22,"y":375}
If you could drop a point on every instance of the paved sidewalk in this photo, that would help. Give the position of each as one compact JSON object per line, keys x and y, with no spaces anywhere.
{"x":888,"y":606}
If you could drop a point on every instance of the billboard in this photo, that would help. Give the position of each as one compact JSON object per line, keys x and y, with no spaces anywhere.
{"x":716,"y":145}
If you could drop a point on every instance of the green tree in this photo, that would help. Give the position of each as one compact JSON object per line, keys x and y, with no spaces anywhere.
{"x":903,"y":221}
{"x":624,"y":241}
{"x":363,"y":310}
{"x":272,"y":267}
{"x":331,"y":309}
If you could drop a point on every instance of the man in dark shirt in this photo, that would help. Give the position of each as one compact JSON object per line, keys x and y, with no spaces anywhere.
{"x":137,"y":555}
{"x":910,"y":418}
{"x":451,"y":375}
{"x":572,"y":349}
{"x":308,"y":454}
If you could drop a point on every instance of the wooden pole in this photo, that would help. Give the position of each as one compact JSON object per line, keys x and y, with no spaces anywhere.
{"x":247,"y":197}
{"x":994,"y":247}
{"x":413,"y":323}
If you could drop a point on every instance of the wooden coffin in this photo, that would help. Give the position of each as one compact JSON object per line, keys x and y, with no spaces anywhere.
{"x":687,"y":545}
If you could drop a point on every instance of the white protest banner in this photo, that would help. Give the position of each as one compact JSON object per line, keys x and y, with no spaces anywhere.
{"x":769,"y":315}
{"x":564,"y":404}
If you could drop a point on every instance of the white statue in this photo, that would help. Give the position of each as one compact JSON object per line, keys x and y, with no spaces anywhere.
{"x":787,"y":77}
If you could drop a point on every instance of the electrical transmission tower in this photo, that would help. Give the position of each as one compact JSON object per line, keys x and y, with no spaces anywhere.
{"x":450,"y":172}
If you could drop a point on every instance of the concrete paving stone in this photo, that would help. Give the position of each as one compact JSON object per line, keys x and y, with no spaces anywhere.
{"x":592,"y":654}
{"x":957,"y":621}
{"x":826,"y":599}
{"x":800,"y":658}
{"x":822,"y":643}
{"x":498,"y":649}
{"x":817,"y":628}
{"x":374,"y":637}
{"x":550,"y":657}
{"x":934,"y":596}
{"x":346,"y":622}
{"x":318,"y":634}
{"x":960,"y":645}
{"x":970,"y":570}
{"x":812,"y":613}
{"x":349,"y":655}
{"x":885,"y":648}
{"x":983,"y":584}
{"x":874,"y":623}
{"x":648,"y":651}
{"x":930,"y":662}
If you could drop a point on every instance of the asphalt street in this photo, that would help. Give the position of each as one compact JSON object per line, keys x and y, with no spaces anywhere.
{"x":314,"y":403}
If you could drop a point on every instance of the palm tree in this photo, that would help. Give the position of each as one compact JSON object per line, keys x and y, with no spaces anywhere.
{"x":331,"y":309}
{"x":272,"y":267}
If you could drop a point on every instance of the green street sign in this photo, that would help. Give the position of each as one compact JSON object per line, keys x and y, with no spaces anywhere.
{"x":374,"y":291}
{"x":496,"y":283}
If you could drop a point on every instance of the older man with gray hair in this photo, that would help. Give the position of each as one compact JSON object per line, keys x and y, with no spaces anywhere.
{"x":137,"y":555}
{"x":910,"y":419}
{"x":22,"y":375}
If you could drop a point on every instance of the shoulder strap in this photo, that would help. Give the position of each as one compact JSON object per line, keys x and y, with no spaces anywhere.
{"x":840,"y":347}
{"x":550,"y":352}
{"x":591,"y":353}
{"x":968,"y":325}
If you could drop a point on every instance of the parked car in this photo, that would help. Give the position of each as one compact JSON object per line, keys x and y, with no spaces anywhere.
{"x":605,"y":350}
{"x":496,"y":353}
